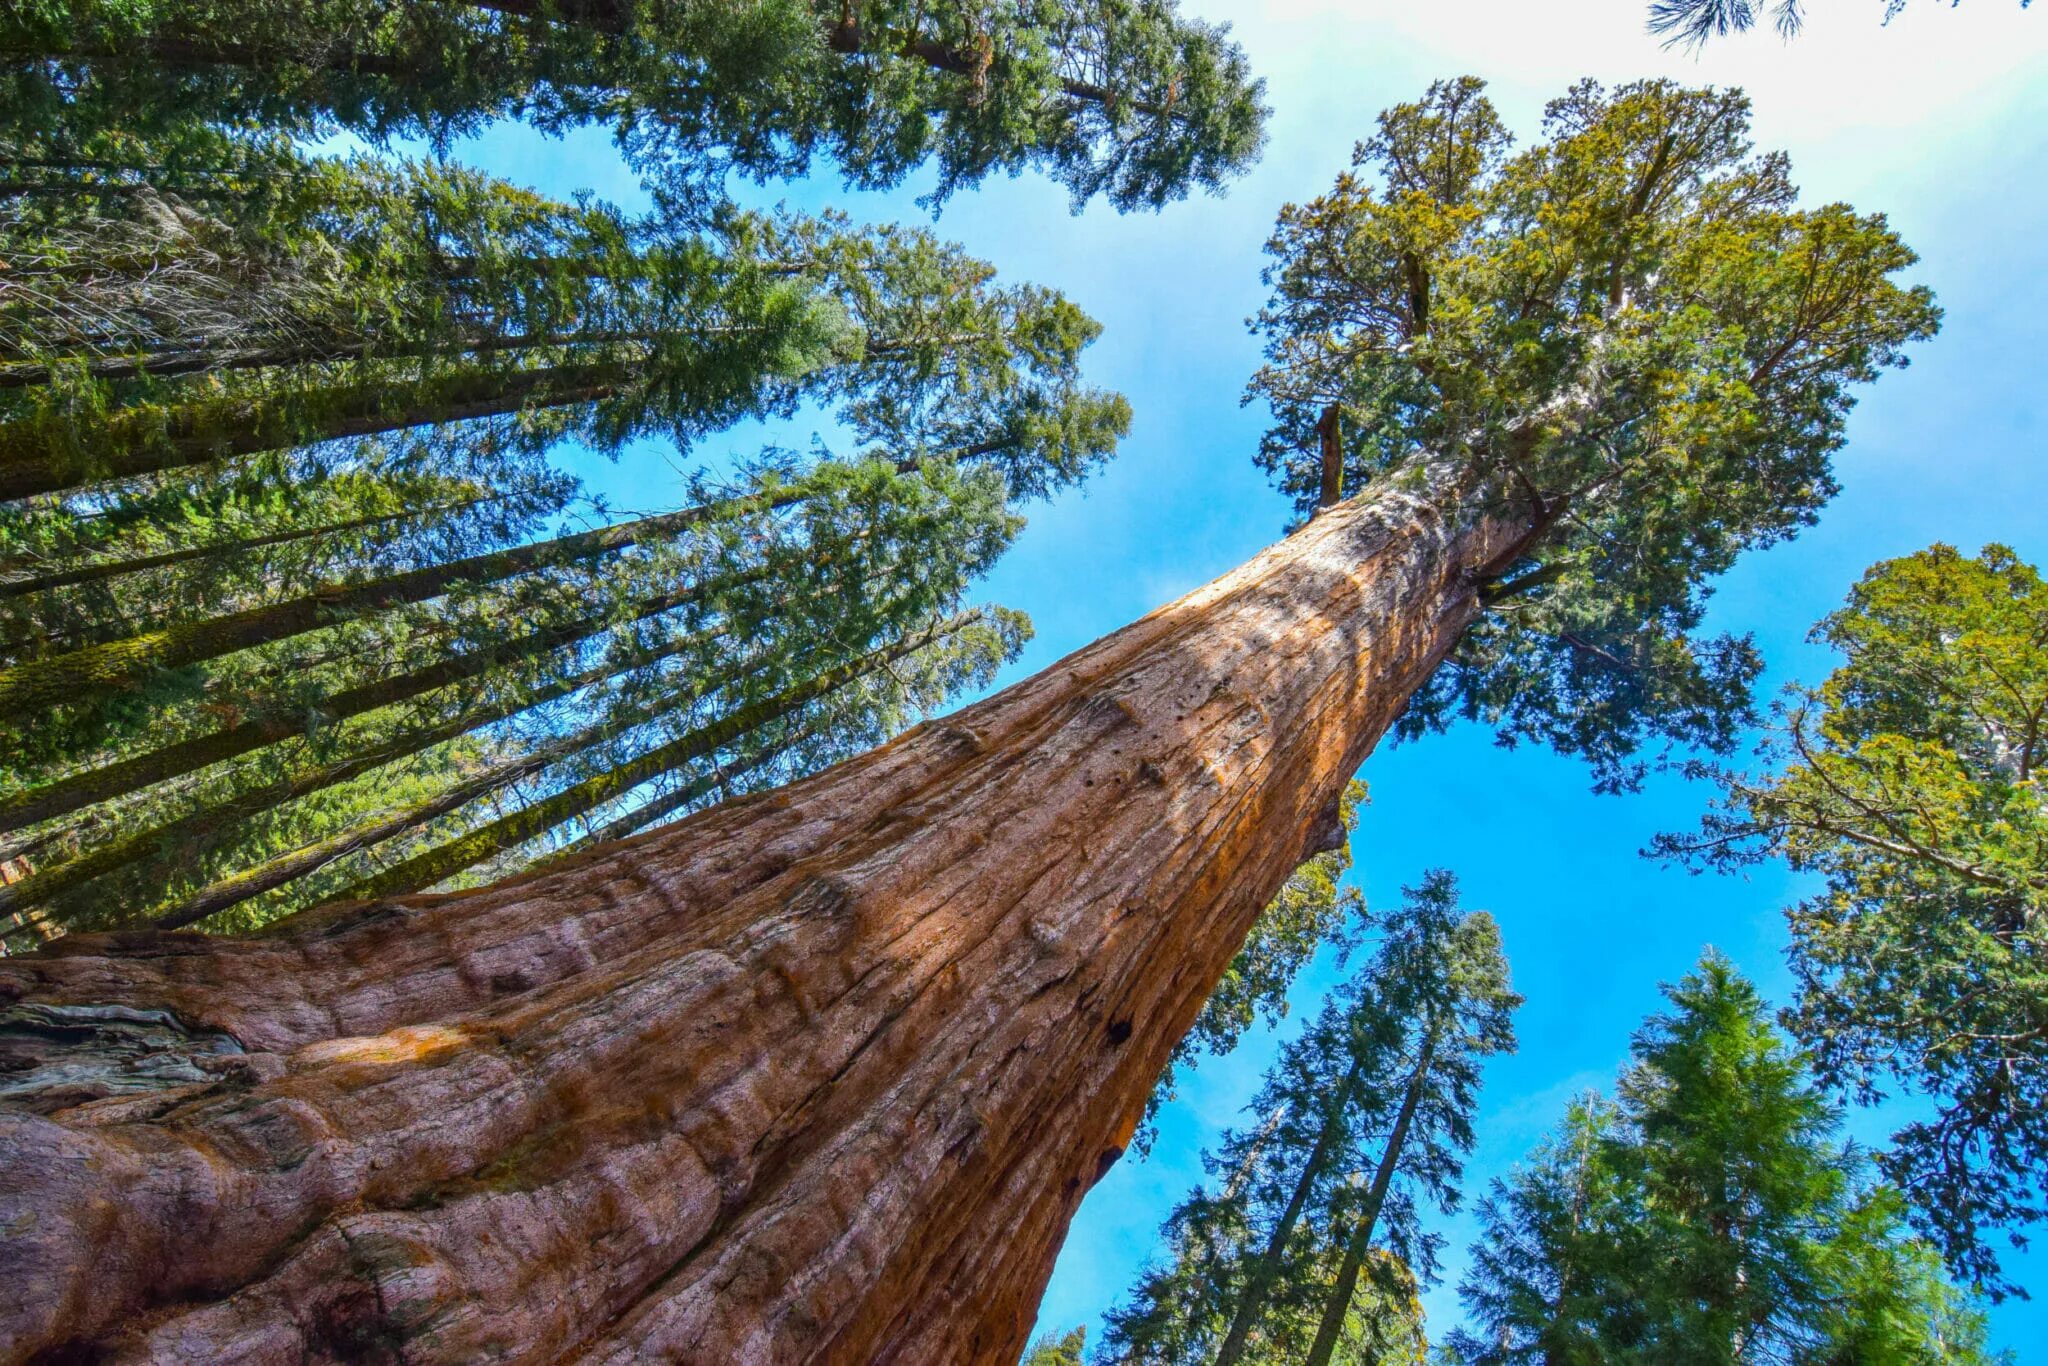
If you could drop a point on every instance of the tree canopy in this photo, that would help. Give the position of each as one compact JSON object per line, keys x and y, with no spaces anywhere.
{"x":280,"y":612}
{"x":1127,"y":99}
{"x":1911,"y":780}
{"x":1629,"y":335}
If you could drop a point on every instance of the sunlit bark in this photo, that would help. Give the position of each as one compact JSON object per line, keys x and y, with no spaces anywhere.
{"x":817,"y":1075}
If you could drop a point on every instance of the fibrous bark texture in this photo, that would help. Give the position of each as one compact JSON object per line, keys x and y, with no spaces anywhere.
{"x":817,"y":1075}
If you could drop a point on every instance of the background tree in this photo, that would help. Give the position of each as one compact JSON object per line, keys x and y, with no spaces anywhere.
{"x":1561,"y":1273}
{"x":1057,"y":1350}
{"x":832,"y":594}
{"x":1911,"y":780}
{"x":220,"y":672}
{"x":925,"y":994}
{"x":420,"y":293}
{"x":1124,"y":98}
{"x":1364,"y":1114}
{"x":1707,"y":1215}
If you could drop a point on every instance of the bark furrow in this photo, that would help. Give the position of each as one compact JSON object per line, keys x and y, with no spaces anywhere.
{"x":818,"y":1075}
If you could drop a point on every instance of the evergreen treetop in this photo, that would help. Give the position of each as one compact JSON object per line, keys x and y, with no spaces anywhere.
{"x":1628,"y":338}
{"x":1127,"y":99}
{"x":1708,"y":1214}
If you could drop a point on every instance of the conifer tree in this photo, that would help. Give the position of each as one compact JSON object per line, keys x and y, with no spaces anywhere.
{"x":1364,"y":1114}
{"x":1706,"y":1215}
{"x":397,"y":281}
{"x":1646,"y":240}
{"x":1124,"y":98}
{"x":925,"y":993}
{"x":1912,"y":780}
{"x":424,"y":294}
{"x":888,"y":551}
{"x":1057,"y":1349}
{"x":431,"y":852}
{"x":1695,"y":23}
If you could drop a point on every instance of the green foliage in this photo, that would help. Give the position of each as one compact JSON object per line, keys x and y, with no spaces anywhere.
{"x":768,"y":661}
{"x":1056,"y":1350}
{"x":373,"y":298}
{"x":279,"y":607}
{"x":1362,"y":1119}
{"x":1695,"y":23}
{"x":1123,"y":98}
{"x":1912,"y":781}
{"x":1706,"y":1215}
{"x":1627,"y":339}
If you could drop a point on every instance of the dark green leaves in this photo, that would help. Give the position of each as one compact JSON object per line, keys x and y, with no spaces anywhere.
{"x":1705,"y":1216}
{"x":1911,"y":780}
{"x":1627,"y":339}
{"x":1121,"y":98}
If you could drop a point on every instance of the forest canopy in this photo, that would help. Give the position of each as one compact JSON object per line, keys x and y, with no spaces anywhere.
{"x":523,"y":836}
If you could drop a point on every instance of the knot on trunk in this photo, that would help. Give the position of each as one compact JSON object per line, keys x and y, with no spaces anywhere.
{"x":1326,"y":835}
{"x":53,"y":1057}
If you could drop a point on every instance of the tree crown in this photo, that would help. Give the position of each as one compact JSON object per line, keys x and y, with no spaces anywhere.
{"x":1629,"y":337}
{"x":1911,"y":780}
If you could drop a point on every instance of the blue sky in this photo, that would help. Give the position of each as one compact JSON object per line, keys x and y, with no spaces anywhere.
{"x":1939,"y":119}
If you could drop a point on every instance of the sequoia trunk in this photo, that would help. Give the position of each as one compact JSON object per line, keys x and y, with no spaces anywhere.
{"x":816,"y":1075}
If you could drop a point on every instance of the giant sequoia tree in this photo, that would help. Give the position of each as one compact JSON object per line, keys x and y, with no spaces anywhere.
{"x":823,"y":1073}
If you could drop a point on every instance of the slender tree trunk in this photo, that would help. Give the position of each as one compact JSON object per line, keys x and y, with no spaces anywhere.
{"x":847,"y":38}
{"x":392,"y":824}
{"x":139,"y":772}
{"x":113,"y":569}
{"x":174,"y":362}
{"x":1338,"y":1303}
{"x":95,"y":670}
{"x":656,"y":809}
{"x":816,"y":1075}
{"x":149,"y":439}
{"x":1253,"y":1298}
{"x":178,"y":838}
{"x":124,"y":776}
{"x":509,"y":831}
{"x":239,"y":887}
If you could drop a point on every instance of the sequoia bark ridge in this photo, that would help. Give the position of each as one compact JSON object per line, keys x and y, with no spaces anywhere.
{"x":817,"y":1075}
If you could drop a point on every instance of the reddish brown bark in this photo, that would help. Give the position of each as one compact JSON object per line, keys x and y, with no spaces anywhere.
{"x":818,"y":1075}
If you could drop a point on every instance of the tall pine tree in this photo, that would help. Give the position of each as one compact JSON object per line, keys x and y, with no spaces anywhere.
{"x":1707,"y":1215}
{"x":1363,"y":1116}
{"x":148,"y":783}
